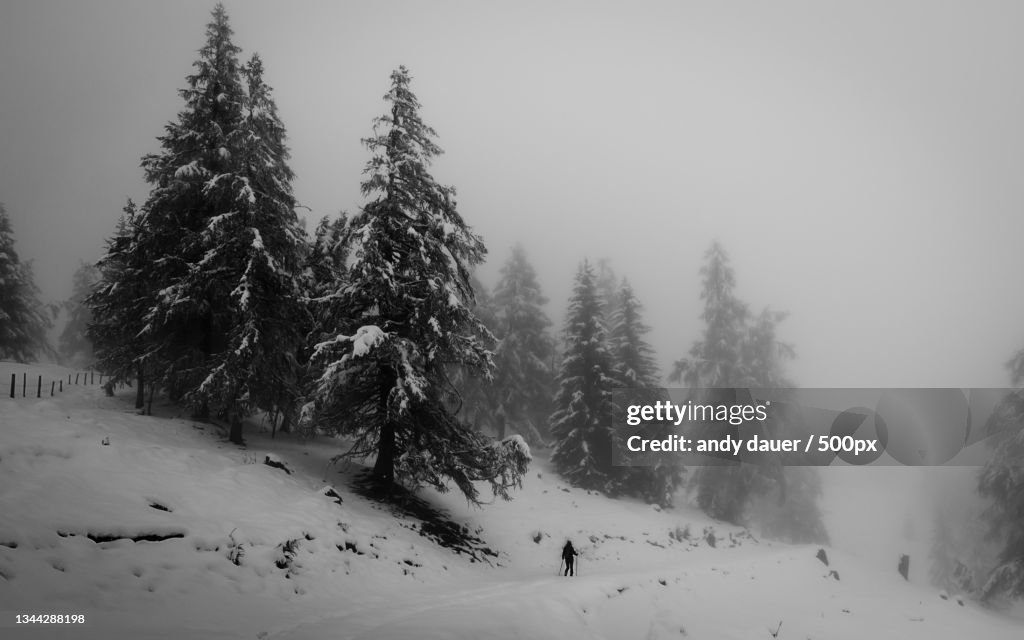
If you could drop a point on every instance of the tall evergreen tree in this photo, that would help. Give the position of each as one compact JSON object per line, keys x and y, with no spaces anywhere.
{"x":24,"y":320}
{"x":637,"y":369}
{"x":733,"y":353}
{"x":716,"y":361}
{"x":118,"y":304}
{"x":74,"y":345}
{"x":408,"y":319}
{"x":582,"y":423}
{"x":523,"y":380}
{"x":224,"y":243}
{"x":636,"y":364}
{"x":1002,"y":483}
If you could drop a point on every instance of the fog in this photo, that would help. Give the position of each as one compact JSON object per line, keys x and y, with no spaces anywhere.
{"x":860,"y":162}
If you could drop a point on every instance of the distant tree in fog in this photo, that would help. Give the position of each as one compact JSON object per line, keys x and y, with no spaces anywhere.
{"x":24,"y":320}
{"x":738,"y":350}
{"x":74,"y":345}
{"x":1002,"y":482}
{"x":522,"y":375}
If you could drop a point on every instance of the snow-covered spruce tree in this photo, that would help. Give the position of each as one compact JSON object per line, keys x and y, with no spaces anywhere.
{"x":260,"y":246}
{"x":1002,"y":482}
{"x":522,"y":380}
{"x":118,"y":304}
{"x":224,"y":243}
{"x":636,"y":368}
{"x":74,"y":345}
{"x":406,"y":319}
{"x":636,"y":365}
{"x":324,"y":276}
{"x":582,"y":423}
{"x":24,"y":320}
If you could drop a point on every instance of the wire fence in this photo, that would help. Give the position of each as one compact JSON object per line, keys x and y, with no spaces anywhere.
{"x":27,"y":387}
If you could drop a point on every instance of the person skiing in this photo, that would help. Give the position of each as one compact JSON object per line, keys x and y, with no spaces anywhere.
{"x":569,"y":555}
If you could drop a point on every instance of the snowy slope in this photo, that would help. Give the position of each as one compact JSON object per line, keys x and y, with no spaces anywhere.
{"x":156,"y":527}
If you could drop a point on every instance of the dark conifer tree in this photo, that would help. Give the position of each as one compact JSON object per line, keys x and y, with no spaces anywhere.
{"x":637,"y":369}
{"x":118,"y":304}
{"x":24,"y":320}
{"x":582,"y":424}
{"x":223,"y":242}
{"x":407,"y":320}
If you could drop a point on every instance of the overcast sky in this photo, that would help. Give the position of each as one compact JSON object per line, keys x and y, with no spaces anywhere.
{"x":862,"y":162}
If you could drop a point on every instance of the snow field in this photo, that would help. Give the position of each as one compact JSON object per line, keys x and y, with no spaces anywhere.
{"x":156,"y":527}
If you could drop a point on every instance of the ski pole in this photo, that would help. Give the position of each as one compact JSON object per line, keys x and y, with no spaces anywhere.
{"x":560,"y":562}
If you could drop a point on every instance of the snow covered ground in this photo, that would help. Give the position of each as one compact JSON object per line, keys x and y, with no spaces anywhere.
{"x":156,"y":527}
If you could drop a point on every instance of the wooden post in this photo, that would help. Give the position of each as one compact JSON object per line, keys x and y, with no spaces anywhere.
{"x":61,"y":385}
{"x":14,"y":377}
{"x":76,"y":378}
{"x":39,"y":387}
{"x":24,"y":383}
{"x":53,"y":383}
{"x":92,"y":377}
{"x":69,"y":379}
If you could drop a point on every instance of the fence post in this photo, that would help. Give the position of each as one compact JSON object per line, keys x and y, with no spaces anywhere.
{"x":24,"y":383}
{"x":76,"y":378}
{"x":53,"y":383}
{"x":62,"y":385}
{"x":39,"y":387}
{"x":14,"y":377}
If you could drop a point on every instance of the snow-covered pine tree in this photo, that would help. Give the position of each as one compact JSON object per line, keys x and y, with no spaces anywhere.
{"x":1002,"y":482}
{"x":324,"y":276}
{"x":224,"y":243}
{"x":258,"y":247}
{"x":634,"y":357}
{"x":118,"y":304}
{"x":522,"y":382}
{"x":407,"y":320}
{"x":197,"y":185}
{"x":74,"y":345}
{"x":582,"y":421}
{"x":636,"y":368}
{"x":24,"y":320}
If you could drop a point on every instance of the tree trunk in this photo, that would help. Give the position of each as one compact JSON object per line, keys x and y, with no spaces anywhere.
{"x":140,"y":394}
{"x":501,"y":425}
{"x":235,"y":435}
{"x":384,"y":468}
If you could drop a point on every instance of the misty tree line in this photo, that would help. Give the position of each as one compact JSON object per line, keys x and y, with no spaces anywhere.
{"x":375,"y":328}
